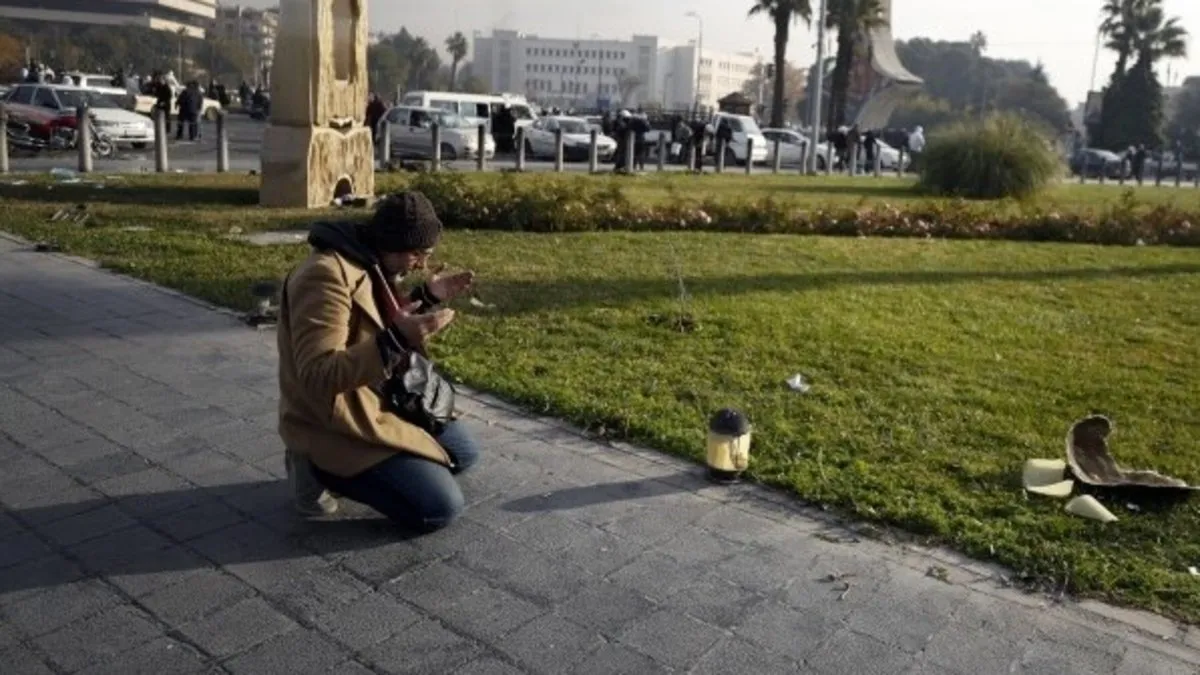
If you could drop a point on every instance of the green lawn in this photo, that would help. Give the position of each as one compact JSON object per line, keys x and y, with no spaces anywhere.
{"x":937,"y":367}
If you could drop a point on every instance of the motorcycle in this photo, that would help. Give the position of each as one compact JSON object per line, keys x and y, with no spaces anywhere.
{"x":61,"y":139}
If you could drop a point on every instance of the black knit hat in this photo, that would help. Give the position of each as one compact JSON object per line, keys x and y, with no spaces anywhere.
{"x":403,"y":221}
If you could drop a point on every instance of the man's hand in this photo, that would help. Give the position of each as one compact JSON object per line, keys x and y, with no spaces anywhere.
{"x":446,"y":287}
{"x":416,"y":329}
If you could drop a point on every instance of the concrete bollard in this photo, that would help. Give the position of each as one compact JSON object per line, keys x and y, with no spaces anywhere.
{"x":720,"y":155}
{"x":385,"y":143}
{"x":1083,"y":170}
{"x":691,"y":156}
{"x":662,"y":152}
{"x":481,"y":160}
{"x":749,"y":156}
{"x":436,"y":164}
{"x":593,"y":151}
{"x":803,"y":159}
{"x":161,"y":164}
{"x":83,"y":138}
{"x":777,"y":160}
{"x":1158,"y":171}
{"x":222,"y":143}
{"x":900,"y":163}
{"x":519,"y":141}
{"x":558,"y":150}
{"x":878,"y":168}
{"x":829,"y":159}
{"x":630,"y":150}
{"x":4,"y":168}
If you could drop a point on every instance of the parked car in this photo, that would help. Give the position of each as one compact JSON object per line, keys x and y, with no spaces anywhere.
{"x":889,"y":157}
{"x":209,"y":109}
{"x":45,"y":107}
{"x":411,"y":129}
{"x":1091,"y":162}
{"x":577,"y":139}
{"x":792,"y":145}
{"x":744,"y":128}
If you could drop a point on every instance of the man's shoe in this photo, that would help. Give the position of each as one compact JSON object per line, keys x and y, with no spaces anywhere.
{"x":310,"y":497}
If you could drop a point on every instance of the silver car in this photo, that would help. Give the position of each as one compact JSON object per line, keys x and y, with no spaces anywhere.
{"x":411,"y":130}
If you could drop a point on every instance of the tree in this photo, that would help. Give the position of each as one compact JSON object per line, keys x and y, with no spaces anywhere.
{"x":457,"y":46}
{"x":1184,"y":125}
{"x":12,"y":54}
{"x":782,"y":13}
{"x":853,"y":21}
{"x":1132,"y":110}
{"x":794,"y":84}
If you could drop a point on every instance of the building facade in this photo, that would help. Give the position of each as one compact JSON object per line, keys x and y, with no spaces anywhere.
{"x":254,"y":28}
{"x":720,"y":74}
{"x":567,"y":72}
{"x":191,"y":17}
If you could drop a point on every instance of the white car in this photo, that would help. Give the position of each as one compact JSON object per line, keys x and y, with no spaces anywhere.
{"x":889,"y":158}
{"x":792,"y":145}
{"x":744,"y":128}
{"x":411,"y":129}
{"x":577,"y":139}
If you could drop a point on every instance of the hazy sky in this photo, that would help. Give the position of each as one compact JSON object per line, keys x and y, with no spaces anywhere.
{"x":1062,"y":33}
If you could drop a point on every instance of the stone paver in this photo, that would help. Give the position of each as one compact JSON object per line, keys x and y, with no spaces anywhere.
{"x":143,"y":529}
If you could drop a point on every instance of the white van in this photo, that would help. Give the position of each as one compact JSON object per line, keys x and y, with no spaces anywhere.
{"x":744,"y":127}
{"x":477,"y":108}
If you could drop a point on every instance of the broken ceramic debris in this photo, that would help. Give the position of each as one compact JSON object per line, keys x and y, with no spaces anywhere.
{"x":798,"y":383}
{"x":1043,"y":472}
{"x":1093,"y":464}
{"x":1087,"y":507}
{"x":1060,"y":489}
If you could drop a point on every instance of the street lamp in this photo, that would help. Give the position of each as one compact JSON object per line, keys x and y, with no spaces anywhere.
{"x":699,"y":52}
{"x":818,"y":85}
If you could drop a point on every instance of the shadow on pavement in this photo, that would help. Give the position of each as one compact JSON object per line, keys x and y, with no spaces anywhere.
{"x":591,"y":495}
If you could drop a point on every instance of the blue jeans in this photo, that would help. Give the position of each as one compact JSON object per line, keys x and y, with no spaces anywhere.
{"x":413,"y":491}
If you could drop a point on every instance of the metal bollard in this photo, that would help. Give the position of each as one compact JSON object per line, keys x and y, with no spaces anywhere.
{"x":1083,"y":171}
{"x":436,"y":164}
{"x":385,"y":144}
{"x":803,"y":159}
{"x":1158,"y":171}
{"x":691,"y":157}
{"x":900,"y":163}
{"x":161,"y":165}
{"x":593,"y":151}
{"x":519,"y":141}
{"x":1178,"y":170}
{"x":720,"y":155}
{"x":775,"y":163}
{"x":878,"y":168}
{"x":662,"y":152}
{"x":222,"y":143}
{"x":829,"y":159}
{"x":4,"y":138}
{"x":749,"y":156}
{"x":481,"y":160}
{"x":83,"y":138}
{"x":630,"y":150}
{"x":558,"y":150}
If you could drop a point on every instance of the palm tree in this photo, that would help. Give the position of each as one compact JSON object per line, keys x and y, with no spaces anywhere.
{"x":1118,"y":27}
{"x":457,"y":46}
{"x":782,"y":13}
{"x":1157,"y":37}
{"x":852,"y":19}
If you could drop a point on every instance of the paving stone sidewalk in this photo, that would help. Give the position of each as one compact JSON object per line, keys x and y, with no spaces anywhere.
{"x":145,"y":529}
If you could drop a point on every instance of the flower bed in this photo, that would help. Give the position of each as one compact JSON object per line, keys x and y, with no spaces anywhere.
{"x":583,"y":205}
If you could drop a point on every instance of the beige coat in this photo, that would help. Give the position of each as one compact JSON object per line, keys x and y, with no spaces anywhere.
{"x":328,"y":359}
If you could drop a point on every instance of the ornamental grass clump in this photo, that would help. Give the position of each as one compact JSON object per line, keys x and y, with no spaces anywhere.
{"x":1001,"y":156}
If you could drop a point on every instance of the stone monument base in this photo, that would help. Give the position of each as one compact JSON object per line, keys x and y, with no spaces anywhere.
{"x":307,"y":167}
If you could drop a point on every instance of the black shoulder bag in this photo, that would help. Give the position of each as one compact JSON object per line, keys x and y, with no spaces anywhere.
{"x":416,"y":392}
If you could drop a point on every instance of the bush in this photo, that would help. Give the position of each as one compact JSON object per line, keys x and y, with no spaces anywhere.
{"x":585,"y":205}
{"x":1001,"y":156}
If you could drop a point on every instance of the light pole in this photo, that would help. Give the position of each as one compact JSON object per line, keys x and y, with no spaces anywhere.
{"x":818,"y":85}
{"x":699,"y":53}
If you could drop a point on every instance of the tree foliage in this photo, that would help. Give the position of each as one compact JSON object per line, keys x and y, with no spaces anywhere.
{"x":1184,"y":125}
{"x":962,"y":82}
{"x":1132,"y":105}
{"x":853,"y":21}
{"x":456,"y":45}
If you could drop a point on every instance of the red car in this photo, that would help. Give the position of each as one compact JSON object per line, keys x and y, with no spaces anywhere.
{"x":43,"y":107}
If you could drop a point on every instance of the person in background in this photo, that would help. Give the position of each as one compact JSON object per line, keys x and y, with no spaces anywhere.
{"x":191,"y":102}
{"x":376,"y":109}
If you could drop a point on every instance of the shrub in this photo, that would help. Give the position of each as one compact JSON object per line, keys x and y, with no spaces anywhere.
{"x":584,"y":204}
{"x":1001,"y":156}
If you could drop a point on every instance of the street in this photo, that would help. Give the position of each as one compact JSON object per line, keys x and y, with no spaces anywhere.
{"x":245,"y":145}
